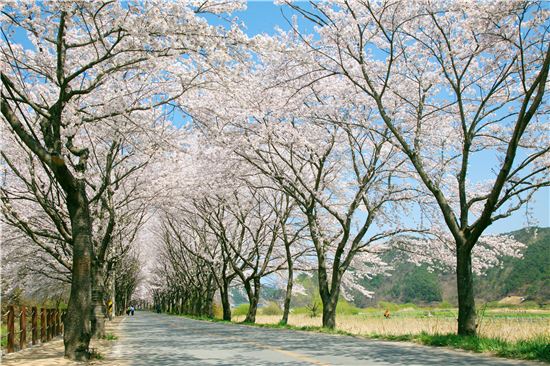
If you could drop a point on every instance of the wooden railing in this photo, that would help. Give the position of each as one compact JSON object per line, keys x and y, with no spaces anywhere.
{"x":47,"y":321}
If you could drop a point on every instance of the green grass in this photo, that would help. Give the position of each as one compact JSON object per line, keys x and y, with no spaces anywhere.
{"x":532,"y":349}
{"x":342,"y":308}
{"x":240,"y":310}
{"x":4,"y":339}
{"x":95,"y":355}
{"x":272,"y":308}
{"x":110,"y":337}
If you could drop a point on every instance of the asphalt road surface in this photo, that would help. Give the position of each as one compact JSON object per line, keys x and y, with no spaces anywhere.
{"x":149,"y":339}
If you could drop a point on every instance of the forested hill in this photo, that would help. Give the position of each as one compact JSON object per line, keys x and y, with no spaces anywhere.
{"x":527,"y":277}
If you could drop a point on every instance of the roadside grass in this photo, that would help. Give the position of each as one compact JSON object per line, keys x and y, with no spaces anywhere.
{"x":110,"y":337}
{"x":95,"y":354}
{"x":4,"y":335}
{"x":510,"y":329}
{"x":536,"y":347}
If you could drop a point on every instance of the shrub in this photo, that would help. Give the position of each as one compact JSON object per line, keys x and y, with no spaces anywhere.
{"x":241,"y":310}
{"x":345,"y":308}
{"x":300,"y":310}
{"x":314,"y":309}
{"x":217,"y":310}
{"x":272,"y":308}
{"x":445,"y":305}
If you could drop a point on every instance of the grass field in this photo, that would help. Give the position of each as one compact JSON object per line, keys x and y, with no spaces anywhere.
{"x":518,"y":333}
{"x":508,"y":328}
{"x":507,"y":332}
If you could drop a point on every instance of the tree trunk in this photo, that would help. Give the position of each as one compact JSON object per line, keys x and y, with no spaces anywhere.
{"x":209,"y":307}
{"x":465,"y":286}
{"x":329,"y":311}
{"x":329,"y":296}
{"x":289,"y":284}
{"x":253,"y":299}
{"x":113,"y":296}
{"x":98,"y":293}
{"x":226,"y":305}
{"x":77,"y":321}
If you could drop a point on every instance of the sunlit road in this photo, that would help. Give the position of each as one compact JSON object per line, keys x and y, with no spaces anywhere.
{"x":149,"y":339}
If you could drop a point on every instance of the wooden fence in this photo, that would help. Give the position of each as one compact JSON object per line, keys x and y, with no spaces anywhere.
{"x":41,"y":324}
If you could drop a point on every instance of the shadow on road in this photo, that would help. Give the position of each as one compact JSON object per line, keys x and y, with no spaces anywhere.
{"x":152,"y":339}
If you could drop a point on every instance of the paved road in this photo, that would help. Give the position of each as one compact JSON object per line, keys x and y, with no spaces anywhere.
{"x":149,"y":339}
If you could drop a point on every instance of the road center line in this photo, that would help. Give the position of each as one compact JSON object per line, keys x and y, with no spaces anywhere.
{"x":296,"y":355}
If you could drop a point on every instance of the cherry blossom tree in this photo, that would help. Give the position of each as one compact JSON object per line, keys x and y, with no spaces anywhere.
{"x":344,"y":179}
{"x":33,"y":203}
{"x":228,"y":220}
{"x":458,"y":84}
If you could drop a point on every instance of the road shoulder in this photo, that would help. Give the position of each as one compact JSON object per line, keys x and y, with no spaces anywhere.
{"x":51,"y":353}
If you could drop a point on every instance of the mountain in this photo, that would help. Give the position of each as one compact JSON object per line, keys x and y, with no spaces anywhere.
{"x":527,"y":277}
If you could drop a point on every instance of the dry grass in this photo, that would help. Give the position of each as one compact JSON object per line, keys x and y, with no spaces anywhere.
{"x":509,"y":329}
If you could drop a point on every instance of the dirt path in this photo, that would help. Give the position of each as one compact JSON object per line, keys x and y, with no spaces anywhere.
{"x":51,"y":353}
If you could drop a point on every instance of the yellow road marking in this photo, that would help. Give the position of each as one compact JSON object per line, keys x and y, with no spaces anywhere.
{"x":292,"y":354}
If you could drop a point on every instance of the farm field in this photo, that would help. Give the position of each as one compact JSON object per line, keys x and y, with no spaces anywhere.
{"x":506,"y":324}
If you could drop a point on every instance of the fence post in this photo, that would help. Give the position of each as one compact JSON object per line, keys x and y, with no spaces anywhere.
{"x":23,"y":327}
{"x":34,"y":324}
{"x":11,"y":328}
{"x":43,"y":323}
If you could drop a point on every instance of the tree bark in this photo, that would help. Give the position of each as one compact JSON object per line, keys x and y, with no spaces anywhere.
{"x":98,"y":293}
{"x":328,"y":298}
{"x":329,"y":311}
{"x":77,"y":321}
{"x":208,"y":309}
{"x":289,"y":284}
{"x":226,"y":305}
{"x":465,"y":285}
{"x":253,"y":299}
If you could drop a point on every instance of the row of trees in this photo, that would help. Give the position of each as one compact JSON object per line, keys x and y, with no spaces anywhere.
{"x":84,"y":102}
{"x":381,"y":115}
{"x":294,"y":152}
